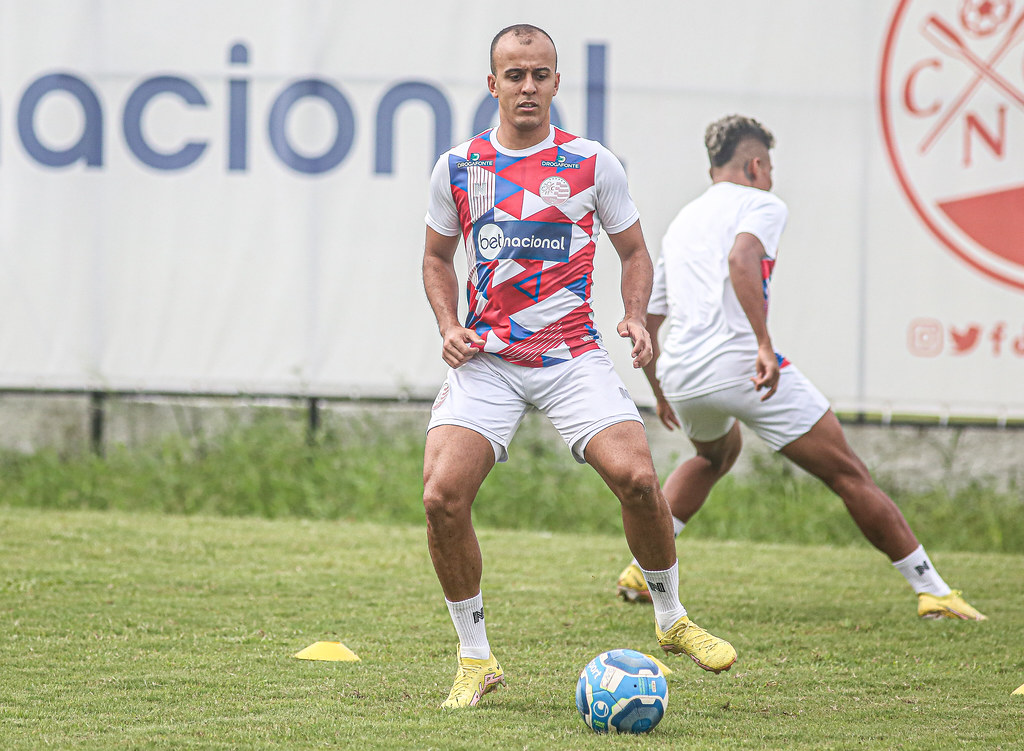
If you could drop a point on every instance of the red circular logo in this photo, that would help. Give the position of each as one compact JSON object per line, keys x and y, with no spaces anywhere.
{"x":952,"y":108}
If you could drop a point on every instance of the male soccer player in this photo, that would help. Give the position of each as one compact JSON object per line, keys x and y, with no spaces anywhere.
{"x":718,"y":363}
{"x":528,"y":201}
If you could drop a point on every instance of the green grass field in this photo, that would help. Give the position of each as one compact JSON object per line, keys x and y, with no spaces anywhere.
{"x":367,"y":466}
{"x":144,"y":630}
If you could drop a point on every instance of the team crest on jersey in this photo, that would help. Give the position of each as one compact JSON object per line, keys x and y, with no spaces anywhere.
{"x":555,"y":190}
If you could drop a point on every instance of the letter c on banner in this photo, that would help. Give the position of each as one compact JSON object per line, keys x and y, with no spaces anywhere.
{"x":909,"y":102}
{"x":136,"y":105}
{"x":343,"y":115}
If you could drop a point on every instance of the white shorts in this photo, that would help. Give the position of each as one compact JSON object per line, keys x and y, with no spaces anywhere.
{"x":581,"y":397}
{"x":793,"y":410}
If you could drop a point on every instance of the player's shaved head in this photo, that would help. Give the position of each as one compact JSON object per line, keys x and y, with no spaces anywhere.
{"x":526,"y":34}
{"x":735,"y":137}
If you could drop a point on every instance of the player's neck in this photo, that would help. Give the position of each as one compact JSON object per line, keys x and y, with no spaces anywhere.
{"x":514,"y":139}
{"x":729,"y":177}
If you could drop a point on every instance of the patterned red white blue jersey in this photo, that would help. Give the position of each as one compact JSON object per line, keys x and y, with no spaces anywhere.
{"x":530,"y":220}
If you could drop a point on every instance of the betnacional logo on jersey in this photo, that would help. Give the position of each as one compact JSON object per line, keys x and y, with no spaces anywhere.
{"x":952,"y":110}
{"x":475,"y":161}
{"x":554,"y":190}
{"x":539,"y":241}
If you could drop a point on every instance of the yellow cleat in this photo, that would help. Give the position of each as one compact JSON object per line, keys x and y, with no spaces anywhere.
{"x":950,"y":606}
{"x":705,"y":649}
{"x":474,"y":679}
{"x":632,"y":587}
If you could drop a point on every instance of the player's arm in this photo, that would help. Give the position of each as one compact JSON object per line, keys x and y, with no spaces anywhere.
{"x":637,"y":277}
{"x":666,"y":414}
{"x":745,"y":273}
{"x":442,"y":288}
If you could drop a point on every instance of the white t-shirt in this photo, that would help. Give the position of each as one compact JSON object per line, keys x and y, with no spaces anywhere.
{"x":710,"y":344}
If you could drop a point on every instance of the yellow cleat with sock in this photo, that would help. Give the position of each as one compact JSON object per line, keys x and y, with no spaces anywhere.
{"x":474,"y":679}
{"x":632,"y":587}
{"x":705,"y":649}
{"x":952,"y":605}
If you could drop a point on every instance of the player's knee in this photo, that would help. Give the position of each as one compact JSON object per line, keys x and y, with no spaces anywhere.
{"x":720,"y":462}
{"x":720,"y":456}
{"x":723,"y":462}
{"x":850,"y":481}
{"x":638,"y":486}
{"x":442,"y":508}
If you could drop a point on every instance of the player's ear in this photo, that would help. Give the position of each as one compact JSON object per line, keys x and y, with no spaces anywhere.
{"x":492,"y":82}
{"x":558,"y":78}
{"x":750,"y":168}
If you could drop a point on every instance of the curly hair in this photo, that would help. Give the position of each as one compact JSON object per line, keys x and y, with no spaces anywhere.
{"x":723,"y":136}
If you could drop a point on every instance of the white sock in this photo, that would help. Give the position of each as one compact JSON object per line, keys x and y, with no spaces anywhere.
{"x":921,"y":574}
{"x":664,"y":587}
{"x":677,"y":527}
{"x":468,"y":617}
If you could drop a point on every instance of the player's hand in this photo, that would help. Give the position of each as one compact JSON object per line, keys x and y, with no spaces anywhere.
{"x":460,"y":344}
{"x":767,"y":370}
{"x":637,"y":333}
{"x":667,"y":415}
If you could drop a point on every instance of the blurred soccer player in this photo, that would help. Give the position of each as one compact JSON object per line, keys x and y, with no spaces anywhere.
{"x":718,"y":363}
{"x":528,"y":201}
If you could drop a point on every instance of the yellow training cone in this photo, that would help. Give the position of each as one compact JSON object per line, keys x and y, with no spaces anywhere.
{"x":1019,"y":690}
{"x":665,"y":669}
{"x":334,"y":651}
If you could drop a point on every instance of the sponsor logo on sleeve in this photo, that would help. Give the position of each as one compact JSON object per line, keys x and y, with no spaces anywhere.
{"x":475,"y":161}
{"x":560,"y":163}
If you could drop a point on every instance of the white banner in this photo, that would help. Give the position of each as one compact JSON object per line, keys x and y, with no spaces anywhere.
{"x":207,"y":196}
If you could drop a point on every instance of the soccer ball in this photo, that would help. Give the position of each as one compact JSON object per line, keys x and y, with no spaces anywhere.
{"x":621,"y":690}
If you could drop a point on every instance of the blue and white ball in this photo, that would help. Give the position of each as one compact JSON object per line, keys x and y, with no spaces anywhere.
{"x":622,"y":690}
